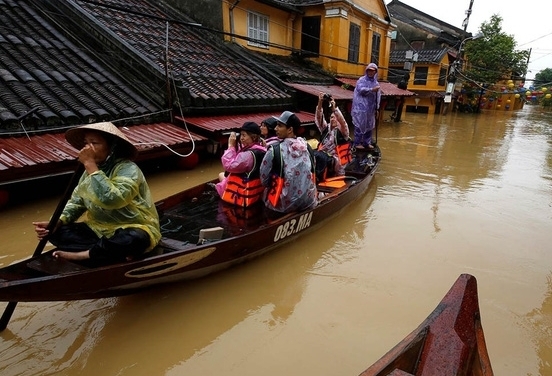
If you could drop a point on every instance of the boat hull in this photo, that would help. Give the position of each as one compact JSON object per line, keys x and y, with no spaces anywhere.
{"x":45,"y":278}
{"x":450,"y":341}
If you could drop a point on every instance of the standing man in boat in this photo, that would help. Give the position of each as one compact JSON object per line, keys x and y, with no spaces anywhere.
{"x":240,"y":184}
{"x":121,"y":218}
{"x":334,"y":137}
{"x":287,"y":170}
{"x":366,"y":103}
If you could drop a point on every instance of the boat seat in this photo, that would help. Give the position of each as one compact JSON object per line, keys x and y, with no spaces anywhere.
{"x":336,"y":182}
{"x":210,"y":234}
{"x":50,"y":265}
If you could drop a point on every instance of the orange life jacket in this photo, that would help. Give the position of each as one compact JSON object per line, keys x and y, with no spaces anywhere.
{"x":277,"y":179}
{"x":342,"y":147}
{"x":245,"y":189}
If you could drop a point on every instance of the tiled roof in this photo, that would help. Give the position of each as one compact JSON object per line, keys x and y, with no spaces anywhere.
{"x":300,"y":2}
{"x":398,"y":57}
{"x":445,"y":33}
{"x":206,"y":71}
{"x":42,"y":69}
{"x":286,"y":68}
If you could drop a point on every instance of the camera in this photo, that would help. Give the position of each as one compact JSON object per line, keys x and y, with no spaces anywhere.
{"x":327,"y":97}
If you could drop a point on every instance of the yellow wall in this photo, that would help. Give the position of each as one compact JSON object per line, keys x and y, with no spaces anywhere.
{"x":281,"y":25}
{"x":426,"y":93}
{"x":285,"y":30}
{"x":335,"y":37}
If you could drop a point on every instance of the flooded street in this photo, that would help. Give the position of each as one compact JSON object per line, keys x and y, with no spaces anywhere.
{"x":454,"y":194}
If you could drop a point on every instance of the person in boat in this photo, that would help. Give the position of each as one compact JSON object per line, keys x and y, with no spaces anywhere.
{"x":240,"y":184}
{"x":366,"y":103}
{"x":121,"y":221}
{"x":268,"y":131}
{"x":287,"y":170}
{"x":334,"y":137}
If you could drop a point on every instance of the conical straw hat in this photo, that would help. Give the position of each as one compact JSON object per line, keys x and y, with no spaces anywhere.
{"x":75,"y":136}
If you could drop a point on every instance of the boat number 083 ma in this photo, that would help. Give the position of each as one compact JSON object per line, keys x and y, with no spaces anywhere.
{"x":293,"y":226}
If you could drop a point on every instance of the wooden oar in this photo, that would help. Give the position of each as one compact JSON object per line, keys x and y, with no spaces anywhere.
{"x":377,"y":119}
{"x":10,"y":308}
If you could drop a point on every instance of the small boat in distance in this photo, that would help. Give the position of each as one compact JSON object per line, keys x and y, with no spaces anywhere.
{"x":201,"y":235}
{"x":449,"y":342}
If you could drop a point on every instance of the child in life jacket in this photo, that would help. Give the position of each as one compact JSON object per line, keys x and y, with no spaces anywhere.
{"x":240,"y":184}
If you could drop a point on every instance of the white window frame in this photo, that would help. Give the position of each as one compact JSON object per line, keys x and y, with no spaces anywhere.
{"x":257,"y":28}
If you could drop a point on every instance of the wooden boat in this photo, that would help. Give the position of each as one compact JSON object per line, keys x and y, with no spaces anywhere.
{"x":201,"y":235}
{"x":450,"y":341}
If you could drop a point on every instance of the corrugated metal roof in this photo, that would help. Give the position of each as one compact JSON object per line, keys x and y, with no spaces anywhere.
{"x":230,"y":122}
{"x":23,"y":158}
{"x":387,"y":88}
{"x":337,"y":92}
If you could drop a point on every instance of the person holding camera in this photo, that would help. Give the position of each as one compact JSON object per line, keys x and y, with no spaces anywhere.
{"x":240,"y":182}
{"x":366,"y":103}
{"x":334,"y":136}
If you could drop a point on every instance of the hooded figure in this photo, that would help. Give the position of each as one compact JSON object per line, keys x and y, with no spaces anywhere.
{"x":121,"y":218}
{"x":366,"y":102}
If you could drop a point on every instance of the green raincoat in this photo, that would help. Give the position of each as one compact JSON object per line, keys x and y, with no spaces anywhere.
{"x":117,"y":196}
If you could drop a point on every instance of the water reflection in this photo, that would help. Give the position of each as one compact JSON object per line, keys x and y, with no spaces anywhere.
{"x":69,"y":336}
{"x":46,"y":338}
{"x":455,"y":194}
{"x":195,"y":315}
{"x":459,"y":152}
{"x":539,"y":325}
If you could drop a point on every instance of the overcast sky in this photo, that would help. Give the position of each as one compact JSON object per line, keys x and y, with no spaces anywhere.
{"x":529,"y":22}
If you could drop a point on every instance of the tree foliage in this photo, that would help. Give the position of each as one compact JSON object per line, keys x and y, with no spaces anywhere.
{"x":543,"y":78}
{"x":493,"y":56}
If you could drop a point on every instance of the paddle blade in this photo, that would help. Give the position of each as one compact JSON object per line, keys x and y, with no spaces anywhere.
{"x":6,"y":316}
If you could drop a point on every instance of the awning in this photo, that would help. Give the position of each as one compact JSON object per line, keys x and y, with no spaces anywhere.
{"x":226,"y":123}
{"x":38,"y":156}
{"x":387,"y":88}
{"x":429,"y":94}
{"x":336,"y":91}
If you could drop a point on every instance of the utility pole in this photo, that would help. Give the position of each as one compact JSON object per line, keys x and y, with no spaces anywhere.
{"x":456,"y":65}
{"x":451,"y":82}
{"x":527,"y":66}
{"x":468,"y":14}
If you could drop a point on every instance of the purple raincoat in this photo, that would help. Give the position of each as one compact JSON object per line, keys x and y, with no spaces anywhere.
{"x":366,"y":102}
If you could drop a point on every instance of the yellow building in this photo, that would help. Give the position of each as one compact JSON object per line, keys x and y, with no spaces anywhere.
{"x":424,"y":47}
{"x":341,"y":36}
{"x":427,"y":77}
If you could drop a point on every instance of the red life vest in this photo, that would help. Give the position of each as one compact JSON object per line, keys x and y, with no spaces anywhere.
{"x":245,"y":189}
{"x":342,"y":147}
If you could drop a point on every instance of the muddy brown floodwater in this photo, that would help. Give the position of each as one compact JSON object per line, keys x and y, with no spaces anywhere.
{"x":455,"y":194}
